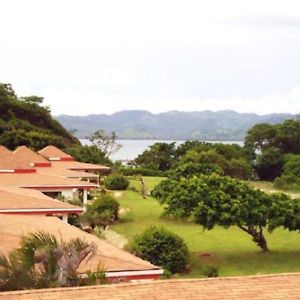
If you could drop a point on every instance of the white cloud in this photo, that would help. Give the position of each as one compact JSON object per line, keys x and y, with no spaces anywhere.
{"x":81,"y":102}
{"x":97,"y":56}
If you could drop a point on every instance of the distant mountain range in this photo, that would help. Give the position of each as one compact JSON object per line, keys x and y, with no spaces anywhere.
{"x":223,"y":125}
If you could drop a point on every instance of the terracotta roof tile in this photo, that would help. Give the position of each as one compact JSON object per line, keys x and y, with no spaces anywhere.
{"x":62,"y":172}
{"x":114,"y":259}
{"x":51,"y":152}
{"x":12,"y":198}
{"x":263,"y":287}
{"x":76,"y":165}
{"x":10,"y":162}
{"x":29,"y":156}
{"x":4,"y":150}
{"x":35,"y":180}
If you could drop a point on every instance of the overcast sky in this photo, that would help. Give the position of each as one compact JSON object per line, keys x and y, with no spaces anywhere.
{"x":105,"y":56}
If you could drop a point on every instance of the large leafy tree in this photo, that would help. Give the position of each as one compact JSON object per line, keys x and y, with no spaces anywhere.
{"x":159,"y":156}
{"x":267,"y":145}
{"x":223,"y":201}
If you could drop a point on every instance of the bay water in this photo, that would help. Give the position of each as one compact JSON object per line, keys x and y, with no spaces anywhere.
{"x":132,"y":148}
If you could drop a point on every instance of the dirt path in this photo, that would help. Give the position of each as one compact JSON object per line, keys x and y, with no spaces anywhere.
{"x":115,"y":238}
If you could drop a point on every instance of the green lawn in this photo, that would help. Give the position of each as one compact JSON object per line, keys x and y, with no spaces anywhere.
{"x":232,"y":250}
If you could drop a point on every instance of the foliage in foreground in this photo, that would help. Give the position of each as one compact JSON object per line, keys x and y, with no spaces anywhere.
{"x":162,"y":248}
{"x":215,"y":200}
{"x":42,"y":261}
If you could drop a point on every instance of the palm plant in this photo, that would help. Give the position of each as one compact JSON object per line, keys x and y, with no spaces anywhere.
{"x":14,"y":274}
{"x":44,"y":262}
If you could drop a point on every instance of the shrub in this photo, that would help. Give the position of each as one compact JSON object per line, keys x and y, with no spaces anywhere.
{"x":162,"y":248}
{"x":103,"y":211}
{"x":116,"y":182}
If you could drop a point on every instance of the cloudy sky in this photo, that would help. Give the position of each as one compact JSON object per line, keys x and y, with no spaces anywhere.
{"x":86,"y":56}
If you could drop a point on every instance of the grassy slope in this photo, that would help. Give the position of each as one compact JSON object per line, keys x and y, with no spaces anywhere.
{"x":232,"y":250}
{"x":268,"y":187}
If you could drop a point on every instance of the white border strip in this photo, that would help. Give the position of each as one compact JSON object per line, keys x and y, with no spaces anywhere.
{"x":42,"y":210}
{"x":134,"y":273}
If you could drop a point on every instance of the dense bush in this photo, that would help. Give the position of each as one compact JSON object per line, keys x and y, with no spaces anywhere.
{"x":116,"y":182}
{"x":188,"y":170}
{"x":103,"y":212}
{"x":162,"y":248}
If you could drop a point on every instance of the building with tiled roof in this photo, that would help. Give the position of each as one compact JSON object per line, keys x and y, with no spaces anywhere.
{"x":79,"y":166}
{"x":3,"y":149}
{"x":116,"y":262}
{"x":66,"y":173}
{"x":262,"y":287}
{"x":63,"y":160}
{"x":52,"y":153}
{"x":31,"y":202}
{"x":12,"y":164}
{"x":27,"y":155}
{"x":47,"y":184}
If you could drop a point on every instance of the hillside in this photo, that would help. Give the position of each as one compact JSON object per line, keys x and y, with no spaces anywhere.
{"x":24,"y":121}
{"x":137,"y":124}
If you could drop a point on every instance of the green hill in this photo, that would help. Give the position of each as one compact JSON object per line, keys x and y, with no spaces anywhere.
{"x":24,"y":121}
{"x":223,"y":125}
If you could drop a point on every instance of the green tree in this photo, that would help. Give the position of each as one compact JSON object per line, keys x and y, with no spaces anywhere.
{"x":217,"y":200}
{"x":269,"y":163}
{"x":89,"y":154}
{"x":106,"y":142}
{"x":267,"y":144}
{"x":116,"y":182}
{"x":103,"y":212}
{"x":159,"y":156}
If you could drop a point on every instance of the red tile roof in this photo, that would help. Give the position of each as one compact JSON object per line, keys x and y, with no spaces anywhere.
{"x":30,"y":157}
{"x":11,"y":163}
{"x":79,"y":166}
{"x":41,"y":181}
{"x":18,"y":200}
{"x":113,"y":259}
{"x":263,"y":287}
{"x":3,"y":149}
{"x":53,"y":153}
{"x":66,"y":173}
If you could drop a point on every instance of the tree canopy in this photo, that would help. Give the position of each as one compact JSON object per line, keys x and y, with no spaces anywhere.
{"x":25,"y":121}
{"x":211,"y":200}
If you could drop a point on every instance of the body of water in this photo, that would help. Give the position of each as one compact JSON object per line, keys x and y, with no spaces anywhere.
{"x":132,"y":148}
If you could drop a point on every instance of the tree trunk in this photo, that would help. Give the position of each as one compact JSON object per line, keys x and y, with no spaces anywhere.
{"x":257,"y":235}
{"x":261,"y":242}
